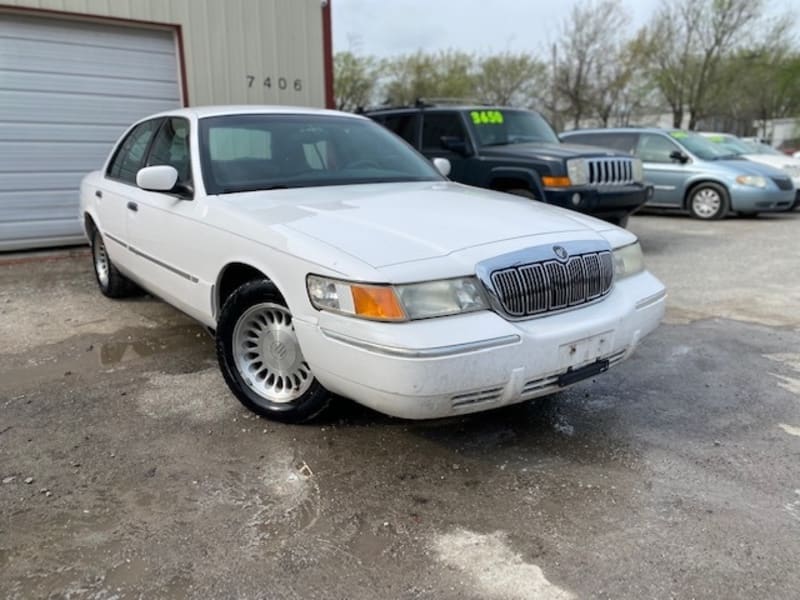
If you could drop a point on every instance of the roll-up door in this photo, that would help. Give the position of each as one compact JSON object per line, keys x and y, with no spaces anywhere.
{"x":68,"y":89}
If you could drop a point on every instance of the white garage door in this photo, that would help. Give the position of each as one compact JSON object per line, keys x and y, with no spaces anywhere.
{"x":67,"y":91}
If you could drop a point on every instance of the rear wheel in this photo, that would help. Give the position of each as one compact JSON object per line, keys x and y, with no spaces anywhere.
{"x":111,"y":282}
{"x":261,"y":359}
{"x":708,"y":201}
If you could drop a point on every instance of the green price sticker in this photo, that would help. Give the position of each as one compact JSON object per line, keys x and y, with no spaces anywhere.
{"x":487,"y":117}
{"x":679,"y":135}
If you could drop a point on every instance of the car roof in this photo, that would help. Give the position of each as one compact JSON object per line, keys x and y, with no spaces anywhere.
{"x":442,"y":107}
{"x":201,"y":112}
{"x":666,"y":130}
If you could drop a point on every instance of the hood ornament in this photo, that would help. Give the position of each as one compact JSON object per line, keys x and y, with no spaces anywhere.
{"x":561,"y":253}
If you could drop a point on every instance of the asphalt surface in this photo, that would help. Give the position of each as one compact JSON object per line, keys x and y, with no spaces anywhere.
{"x":129,"y":471}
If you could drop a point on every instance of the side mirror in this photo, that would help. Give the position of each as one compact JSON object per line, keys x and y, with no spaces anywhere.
{"x":161,"y":178}
{"x":442,"y":165}
{"x":455,"y":144}
{"x":679,"y":156}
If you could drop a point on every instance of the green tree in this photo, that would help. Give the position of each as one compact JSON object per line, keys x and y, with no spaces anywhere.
{"x":354,"y":80}
{"x":446,"y":74}
{"x":510,"y":79}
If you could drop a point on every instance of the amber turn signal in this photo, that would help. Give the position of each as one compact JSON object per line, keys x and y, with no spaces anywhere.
{"x":377,"y":303}
{"x":556,"y":181}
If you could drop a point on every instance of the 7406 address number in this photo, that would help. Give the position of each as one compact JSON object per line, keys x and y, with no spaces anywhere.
{"x":282,"y":83}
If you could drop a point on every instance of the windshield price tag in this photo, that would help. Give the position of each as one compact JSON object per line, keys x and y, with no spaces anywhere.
{"x":486,"y":117}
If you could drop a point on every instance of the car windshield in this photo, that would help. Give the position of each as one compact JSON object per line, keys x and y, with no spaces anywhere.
{"x":500,"y":127}
{"x":249,"y":152}
{"x":700,"y":146}
{"x":729,"y":143}
{"x":761,"y":148}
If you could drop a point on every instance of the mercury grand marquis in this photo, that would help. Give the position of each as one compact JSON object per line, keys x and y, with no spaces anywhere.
{"x":328,"y":257}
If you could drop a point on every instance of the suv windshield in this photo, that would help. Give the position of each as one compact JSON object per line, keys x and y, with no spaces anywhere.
{"x":700,"y":146}
{"x":242,"y":153}
{"x":499,"y":127}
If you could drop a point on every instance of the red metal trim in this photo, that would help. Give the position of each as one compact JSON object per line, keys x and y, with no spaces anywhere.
{"x":182,"y":65}
{"x":327,"y":54}
{"x":175,"y":27}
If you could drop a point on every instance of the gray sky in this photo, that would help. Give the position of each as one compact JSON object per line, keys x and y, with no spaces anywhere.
{"x":390,"y":27}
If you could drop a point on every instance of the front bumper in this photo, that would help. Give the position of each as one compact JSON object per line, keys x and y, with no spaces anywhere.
{"x":750,"y":199}
{"x":610,"y":203}
{"x":474,"y":362}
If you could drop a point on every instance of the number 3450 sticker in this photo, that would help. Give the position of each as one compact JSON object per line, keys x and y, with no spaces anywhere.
{"x":281,"y":83}
{"x":486,"y":117}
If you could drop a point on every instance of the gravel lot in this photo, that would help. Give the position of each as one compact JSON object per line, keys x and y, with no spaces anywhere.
{"x":129,"y":471}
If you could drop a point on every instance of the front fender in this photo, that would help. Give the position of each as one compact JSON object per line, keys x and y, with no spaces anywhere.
{"x":529,"y":176}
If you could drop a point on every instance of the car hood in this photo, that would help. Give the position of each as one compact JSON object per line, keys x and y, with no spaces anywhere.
{"x":747,"y":167}
{"x":559,"y":151}
{"x":390,"y":223}
{"x":789,"y":165}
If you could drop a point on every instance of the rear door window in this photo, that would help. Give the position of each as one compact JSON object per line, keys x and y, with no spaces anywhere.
{"x":437,"y":125}
{"x":405,"y":125}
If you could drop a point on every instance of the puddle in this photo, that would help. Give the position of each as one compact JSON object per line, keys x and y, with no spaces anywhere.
{"x":87,"y":354}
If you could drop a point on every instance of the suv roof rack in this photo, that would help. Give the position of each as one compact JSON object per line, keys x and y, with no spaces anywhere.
{"x":424,"y":103}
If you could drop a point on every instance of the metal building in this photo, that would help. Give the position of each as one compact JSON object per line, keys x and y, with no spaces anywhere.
{"x":75,"y":73}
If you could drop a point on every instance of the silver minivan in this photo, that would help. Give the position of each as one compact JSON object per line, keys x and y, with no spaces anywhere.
{"x":690,"y":173}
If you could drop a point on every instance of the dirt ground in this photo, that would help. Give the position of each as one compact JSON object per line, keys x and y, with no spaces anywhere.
{"x":129,"y":471}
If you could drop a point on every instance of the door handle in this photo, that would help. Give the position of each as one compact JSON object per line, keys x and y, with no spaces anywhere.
{"x":98,"y":193}
{"x":133,"y":206}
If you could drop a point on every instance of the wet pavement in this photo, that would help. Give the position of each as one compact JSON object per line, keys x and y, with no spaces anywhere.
{"x":129,"y":471}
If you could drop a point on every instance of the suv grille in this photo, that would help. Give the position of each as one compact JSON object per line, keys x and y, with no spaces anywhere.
{"x":783,"y":183}
{"x":610,"y":171}
{"x":552,"y":285}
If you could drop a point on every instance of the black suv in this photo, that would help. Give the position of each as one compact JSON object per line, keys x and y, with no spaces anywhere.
{"x":517,"y":151}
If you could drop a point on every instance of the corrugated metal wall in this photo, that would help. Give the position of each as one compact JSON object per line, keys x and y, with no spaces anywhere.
{"x":236,"y":51}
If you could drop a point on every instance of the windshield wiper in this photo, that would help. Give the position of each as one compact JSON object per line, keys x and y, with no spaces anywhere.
{"x":252,"y":188}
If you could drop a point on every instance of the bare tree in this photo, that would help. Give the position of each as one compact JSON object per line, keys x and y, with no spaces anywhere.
{"x":687,"y":41}
{"x":591,"y":41}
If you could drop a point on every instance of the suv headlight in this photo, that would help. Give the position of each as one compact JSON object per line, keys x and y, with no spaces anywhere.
{"x":628,"y":260}
{"x":752,"y":181}
{"x":638,"y":171}
{"x":397,"y":302}
{"x":578,"y":171}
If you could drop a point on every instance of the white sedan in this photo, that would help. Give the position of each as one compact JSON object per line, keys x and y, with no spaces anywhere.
{"x":327,"y":256}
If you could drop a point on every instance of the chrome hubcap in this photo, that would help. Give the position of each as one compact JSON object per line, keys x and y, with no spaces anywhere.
{"x":706,"y":203}
{"x":100,"y":261}
{"x":267,"y":354}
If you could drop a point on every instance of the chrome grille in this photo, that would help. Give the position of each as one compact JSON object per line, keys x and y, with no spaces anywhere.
{"x":610,"y":171}
{"x":552,"y":285}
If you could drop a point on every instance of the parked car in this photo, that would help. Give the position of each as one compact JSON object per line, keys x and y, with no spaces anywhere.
{"x":517,"y":151}
{"x":690,"y":173}
{"x":760,"y":153}
{"x":328,"y":256}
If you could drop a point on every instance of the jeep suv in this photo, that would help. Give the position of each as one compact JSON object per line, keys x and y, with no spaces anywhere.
{"x":517,"y":151}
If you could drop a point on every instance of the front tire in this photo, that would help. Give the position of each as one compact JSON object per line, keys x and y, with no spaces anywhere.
{"x":112,"y":283}
{"x":261,"y":359}
{"x":708,"y":202}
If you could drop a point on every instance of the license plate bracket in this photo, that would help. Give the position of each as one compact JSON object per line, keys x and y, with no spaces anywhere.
{"x":576,"y":375}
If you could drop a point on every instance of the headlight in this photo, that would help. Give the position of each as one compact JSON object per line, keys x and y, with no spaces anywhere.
{"x":396,"y":303}
{"x":638,"y":170}
{"x":628,"y":260}
{"x":578,"y":171}
{"x":752,"y":181}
